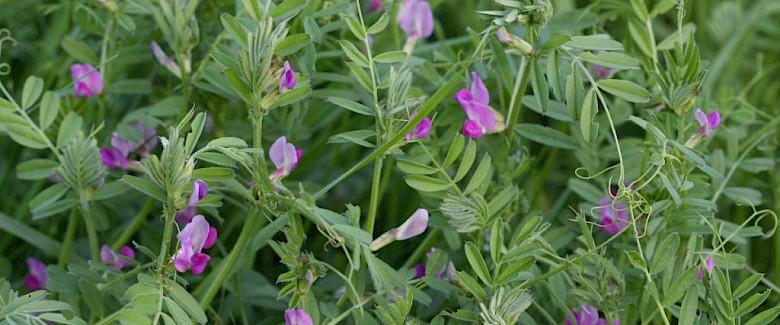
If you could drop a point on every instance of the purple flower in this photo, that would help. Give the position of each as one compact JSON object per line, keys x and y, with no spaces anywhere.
{"x":297,"y":317}
{"x":707,"y":122}
{"x":116,"y":156}
{"x":602,"y":72}
{"x":285,"y":157}
{"x":119,"y":261}
{"x":614,"y":216}
{"x":415,"y":225}
{"x":421,"y":131}
{"x":419,"y":270}
{"x":588,"y":316}
{"x":195,"y":237}
{"x":482,"y":119}
{"x":38,"y":278}
{"x":165,"y":60}
{"x":113,"y":158}
{"x":709,"y":266}
{"x":374,"y":5}
{"x":199,"y":191}
{"x":287,"y":80}
{"x":87,"y":82}
{"x":416,"y":19}
{"x":503,"y":35}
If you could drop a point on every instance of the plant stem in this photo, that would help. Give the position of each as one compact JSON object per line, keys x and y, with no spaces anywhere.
{"x":136,"y":223}
{"x":169,"y":212}
{"x":70,"y":233}
{"x":521,"y":83}
{"x":422,"y":248}
{"x":90,"y":225}
{"x":374,"y":202}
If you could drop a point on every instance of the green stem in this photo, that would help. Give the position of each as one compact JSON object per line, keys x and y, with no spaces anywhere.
{"x":257,"y":124}
{"x":521,"y":83}
{"x":136,"y":223}
{"x":70,"y":234}
{"x":90,"y":225}
{"x":374,"y":203}
{"x":169,"y":213}
{"x":422,"y":248}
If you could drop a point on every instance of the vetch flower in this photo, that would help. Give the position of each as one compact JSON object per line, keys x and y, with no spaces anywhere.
{"x":285,"y":157}
{"x":588,"y":316}
{"x":415,"y":225}
{"x":374,"y":5}
{"x":165,"y":60}
{"x":113,"y":158}
{"x":602,"y":72}
{"x":116,"y":156}
{"x":416,"y":20}
{"x":297,"y":317}
{"x":421,"y":131}
{"x":195,"y":237}
{"x":709,"y":266}
{"x":614,"y":216}
{"x":87,"y":81}
{"x":504,"y":36}
{"x":118,"y":261}
{"x":475,"y":101}
{"x":419,"y":270}
{"x":199,"y":191}
{"x":38,"y":278}
{"x":707,"y":122}
{"x":287,"y":79}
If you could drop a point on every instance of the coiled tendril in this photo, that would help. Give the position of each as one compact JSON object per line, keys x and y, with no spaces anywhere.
{"x":5,"y":36}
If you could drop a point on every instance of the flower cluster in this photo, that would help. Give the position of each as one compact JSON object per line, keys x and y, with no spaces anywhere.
{"x":196,"y":236}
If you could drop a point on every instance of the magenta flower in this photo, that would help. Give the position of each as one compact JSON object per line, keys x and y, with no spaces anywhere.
{"x":118,"y":261}
{"x":285,"y":157}
{"x":374,"y":5}
{"x":287,"y":80}
{"x":195,"y":237}
{"x":614,"y":216}
{"x":116,"y":156}
{"x":707,"y":122}
{"x":415,"y":225}
{"x":602,"y":72}
{"x":297,"y":317}
{"x":165,"y":60}
{"x":199,"y":191}
{"x":588,"y":316}
{"x":421,"y":131}
{"x":416,"y":19}
{"x":87,"y":82}
{"x":113,"y":158}
{"x":475,"y":101}
{"x":709,"y":266}
{"x":419,"y":270}
{"x":38,"y":278}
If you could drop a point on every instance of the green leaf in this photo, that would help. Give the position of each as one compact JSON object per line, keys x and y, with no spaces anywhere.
{"x":355,"y":27}
{"x":292,"y":96}
{"x":477,"y":263}
{"x":78,"y":50}
{"x":589,"y":109}
{"x":287,"y":9}
{"x":227,"y":142}
{"x":764,"y":317}
{"x":391,"y":57}
{"x":33,"y":87}
{"x":625,"y":89}
{"x":187,"y":302}
{"x":70,"y":128}
{"x":33,"y":237}
{"x":362,"y":77}
{"x":292,"y":44}
{"x":234,"y":28}
{"x":426,"y":183}
{"x":665,"y":254}
{"x":511,"y":271}
{"x":49,"y":195}
{"x":744,"y":195}
{"x":213,"y":174}
{"x":145,"y":186}
{"x":380,"y":24}
{"x":36,"y":169}
{"x":352,"y":105}
{"x":26,"y":136}
{"x":539,"y":85}
{"x":357,"y":137}
{"x":466,"y":161}
{"x":585,"y":190}
{"x":688,"y":308}
{"x":414,"y":168}
{"x":546,"y":135}
{"x":747,"y":285}
{"x":636,"y":259}
{"x":354,"y":54}
{"x":456,"y":147}
{"x":481,"y":175}
{"x":239,"y":86}
{"x":699,"y":161}
{"x":50,"y":107}
{"x":751,"y":303}
{"x":615,"y":60}
{"x":471,"y":284}
{"x":354,"y":233}
{"x":601,"y":42}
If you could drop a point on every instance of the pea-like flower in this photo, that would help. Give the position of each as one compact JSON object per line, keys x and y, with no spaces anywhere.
{"x":415,"y":225}
{"x":285,"y":157}
{"x":195,"y":237}
{"x":297,"y":317}
{"x":614,"y":216}
{"x":199,"y":191}
{"x":165,"y":60}
{"x":707,"y":122}
{"x":118,"y":261}
{"x":709,"y":266}
{"x":287,"y":79}
{"x":602,"y":72}
{"x":421,"y":131}
{"x":588,"y":316}
{"x":38,"y":278}
{"x":116,"y":156}
{"x":87,"y":81}
{"x":416,"y":20}
{"x":374,"y":5}
{"x":475,"y":101}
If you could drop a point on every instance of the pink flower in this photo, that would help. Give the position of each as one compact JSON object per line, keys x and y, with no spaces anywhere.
{"x":614,"y":216}
{"x":297,"y":317}
{"x":195,"y":237}
{"x":287,"y":80}
{"x":709,"y":266}
{"x":113,"y":158}
{"x":116,"y":156}
{"x":109,"y":257}
{"x":199,"y":191}
{"x":419,"y":270}
{"x":416,"y":19}
{"x":503,"y":35}
{"x":374,"y":5}
{"x":87,"y":82}
{"x":165,"y":60}
{"x":707,"y":123}
{"x":588,"y":316}
{"x":285,"y":157}
{"x":475,"y":101}
{"x":421,"y":131}
{"x":415,"y":225}
{"x":602,"y":72}
{"x":38,"y":278}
